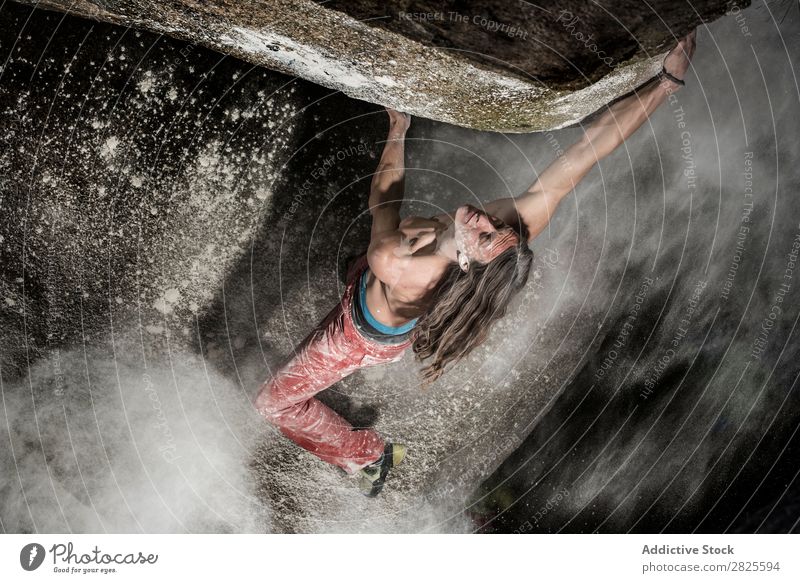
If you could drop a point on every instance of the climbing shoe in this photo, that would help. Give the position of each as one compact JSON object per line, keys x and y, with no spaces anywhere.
{"x":372,"y":477}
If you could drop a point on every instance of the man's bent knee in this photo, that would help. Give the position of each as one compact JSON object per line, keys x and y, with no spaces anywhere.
{"x":267,"y":405}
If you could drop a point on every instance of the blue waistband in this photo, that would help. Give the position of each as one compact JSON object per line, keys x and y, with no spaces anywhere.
{"x":382,"y":328}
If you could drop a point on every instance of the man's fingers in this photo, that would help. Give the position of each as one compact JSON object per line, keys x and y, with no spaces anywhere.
{"x":393,"y":112}
{"x":398,"y":117}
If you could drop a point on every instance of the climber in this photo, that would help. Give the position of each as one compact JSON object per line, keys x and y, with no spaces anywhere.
{"x":434,"y":284}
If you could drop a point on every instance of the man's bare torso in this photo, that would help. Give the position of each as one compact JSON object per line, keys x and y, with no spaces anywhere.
{"x":404,"y":270}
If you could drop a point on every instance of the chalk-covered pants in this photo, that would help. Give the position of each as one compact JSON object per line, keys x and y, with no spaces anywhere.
{"x":332,"y":351}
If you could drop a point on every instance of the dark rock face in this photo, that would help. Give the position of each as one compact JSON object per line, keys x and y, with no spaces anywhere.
{"x":135,"y":157}
{"x":565,"y":43}
{"x":495,"y":66}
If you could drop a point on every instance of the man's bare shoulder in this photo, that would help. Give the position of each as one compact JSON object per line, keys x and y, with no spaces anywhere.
{"x":384,"y":256}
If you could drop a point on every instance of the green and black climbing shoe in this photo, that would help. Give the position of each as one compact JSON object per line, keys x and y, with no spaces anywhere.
{"x":372,"y":477}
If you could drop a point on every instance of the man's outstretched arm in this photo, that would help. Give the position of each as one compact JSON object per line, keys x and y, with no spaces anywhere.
{"x":388,"y":182}
{"x":619,"y":121}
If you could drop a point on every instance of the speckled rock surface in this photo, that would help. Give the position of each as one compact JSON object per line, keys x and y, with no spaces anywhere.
{"x":493,"y":66}
{"x":564,"y":44}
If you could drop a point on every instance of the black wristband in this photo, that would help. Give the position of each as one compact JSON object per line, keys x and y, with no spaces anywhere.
{"x":671,"y":77}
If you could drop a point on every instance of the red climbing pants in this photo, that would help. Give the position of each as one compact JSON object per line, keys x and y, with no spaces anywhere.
{"x":332,"y":351}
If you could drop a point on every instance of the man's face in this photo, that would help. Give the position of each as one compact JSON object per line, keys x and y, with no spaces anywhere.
{"x":482,"y":237}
